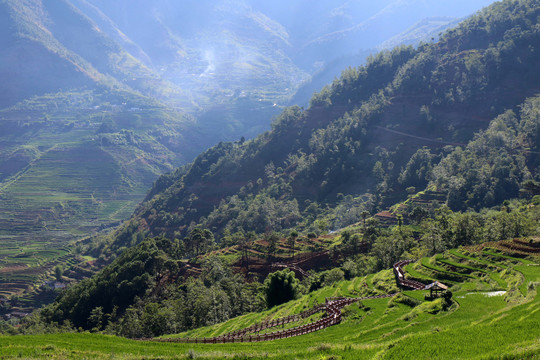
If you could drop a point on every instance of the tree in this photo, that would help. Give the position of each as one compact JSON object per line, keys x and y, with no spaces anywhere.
{"x":345,"y":236}
{"x":322,"y":225}
{"x":432,"y":238}
{"x":349,"y":269}
{"x":417,"y":214}
{"x":400,"y":220}
{"x":333,"y":276}
{"x":365,"y":215}
{"x":272,"y":239}
{"x":244,"y":247}
{"x":417,"y":172}
{"x":58,"y":272}
{"x":291,"y":241}
{"x":371,"y":230}
{"x":280,"y":287}
{"x":156,"y":319}
{"x":199,"y":240}
{"x":96,"y":319}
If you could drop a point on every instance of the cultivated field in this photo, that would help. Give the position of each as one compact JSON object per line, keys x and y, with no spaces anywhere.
{"x":495,"y":314}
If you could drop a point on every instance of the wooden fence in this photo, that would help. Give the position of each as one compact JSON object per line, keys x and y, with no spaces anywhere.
{"x":333,"y":316}
{"x":400,"y":276}
{"x":292,"y":267}
{"x":332,"y":307}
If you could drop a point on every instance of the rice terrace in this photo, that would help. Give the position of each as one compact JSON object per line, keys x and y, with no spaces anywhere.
{"x":494,"y":301}
{"x":246,"y":179}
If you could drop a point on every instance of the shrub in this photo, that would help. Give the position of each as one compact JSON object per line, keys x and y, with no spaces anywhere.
{"x":280,"y":287}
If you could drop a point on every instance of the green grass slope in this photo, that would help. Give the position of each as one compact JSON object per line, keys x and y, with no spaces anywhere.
{"x":481,"y":323}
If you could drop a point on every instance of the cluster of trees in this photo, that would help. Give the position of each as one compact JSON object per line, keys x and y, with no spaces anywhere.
{"x":374,"y":248}
{"x":216,"y":296}
{"x":140,"y":294}
{"x":493,"y":167}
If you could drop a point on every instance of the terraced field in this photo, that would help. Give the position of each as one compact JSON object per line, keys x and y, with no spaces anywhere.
{"x":64,"y":176}
{"x":495,"y":314}
{"x":23,"y":270}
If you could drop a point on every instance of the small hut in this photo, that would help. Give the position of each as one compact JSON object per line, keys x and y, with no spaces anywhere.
{"x":437,"y":288}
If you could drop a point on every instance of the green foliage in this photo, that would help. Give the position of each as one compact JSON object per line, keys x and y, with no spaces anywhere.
{"x":115,"y":287}
{"x":350,"y":140}
{"x":198,"y":241}
{"x":280,"y":287}
{"x":333,"y":276}
{"x":58,"y":272}
{"x":417,"y":172}
{"x":492,"y":166}
{"x":499,"y":325}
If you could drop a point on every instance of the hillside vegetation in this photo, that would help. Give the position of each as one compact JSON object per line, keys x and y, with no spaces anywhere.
{"x":96,"y":113}
{"x":424,"y":161}
{"x":70,"y":167}
{"x":398,"y":124}
{"x":494,"y":302}
{"x":152,"y":289}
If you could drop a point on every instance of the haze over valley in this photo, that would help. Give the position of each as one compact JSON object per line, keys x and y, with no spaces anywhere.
{"x":206,"y":171}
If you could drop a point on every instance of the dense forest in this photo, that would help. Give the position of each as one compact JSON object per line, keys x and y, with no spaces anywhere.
{"x":383,"y":130}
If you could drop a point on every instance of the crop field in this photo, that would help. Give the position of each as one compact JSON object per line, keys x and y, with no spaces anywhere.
{"x":62,"y":179}
{"x":24,"y":265}
{"x":495,"y":314}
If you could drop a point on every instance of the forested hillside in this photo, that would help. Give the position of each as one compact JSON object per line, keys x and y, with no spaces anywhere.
{"x":429,"y":153}
{"x":152,"y":288}
{"x":369,"y":136}
{"x":99,"y":98}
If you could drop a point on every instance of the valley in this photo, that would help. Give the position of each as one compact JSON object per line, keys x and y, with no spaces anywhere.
{"x":242,"y":179}
{"x":78,"y":155}
{"x":66,"y":176}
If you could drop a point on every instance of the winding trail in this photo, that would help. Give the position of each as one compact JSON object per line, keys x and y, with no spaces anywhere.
{"x":332,"y":307}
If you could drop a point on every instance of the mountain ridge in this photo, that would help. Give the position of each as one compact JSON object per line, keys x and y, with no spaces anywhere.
{"x":460,"y":92}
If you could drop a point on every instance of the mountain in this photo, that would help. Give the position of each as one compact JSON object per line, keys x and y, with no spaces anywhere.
{"x":352,"y":148}
{"x":193,"y":55}
{"x":428,"y":29}
{"x":49,"y":46}
{"x":325,"y":31}
{"x":443,"y":137}
{"x":94,"y":96}
{"x":113,"y":79}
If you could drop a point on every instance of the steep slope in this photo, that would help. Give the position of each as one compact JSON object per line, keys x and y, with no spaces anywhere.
{"x":425,"y":30}
{"x":209,"y":46}
{"x":231,"y":62}
{"x":358,"y":133}
{"x":51,"y":46}
{"x":79,"y":141}
{"x":32,"y":59}
{"x":238,"y":59}
{"x":389,"y":19}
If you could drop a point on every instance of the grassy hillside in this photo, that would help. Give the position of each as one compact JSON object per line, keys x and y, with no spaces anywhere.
{"x":494,"y":314}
